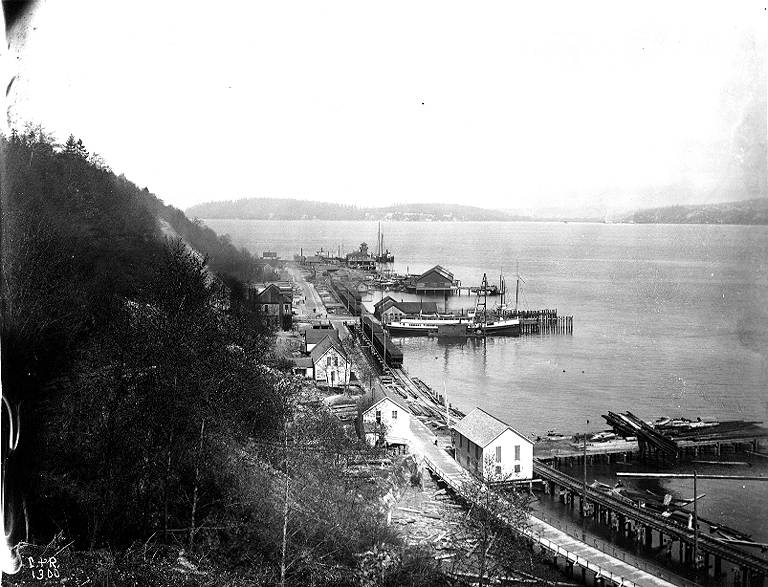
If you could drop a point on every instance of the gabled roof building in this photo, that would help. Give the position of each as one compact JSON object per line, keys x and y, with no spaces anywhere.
{"x":491,"y":448}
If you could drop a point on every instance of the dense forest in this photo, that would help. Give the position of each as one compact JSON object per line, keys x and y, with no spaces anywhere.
{"x":154,"y":416}
{"x":288,"y":209}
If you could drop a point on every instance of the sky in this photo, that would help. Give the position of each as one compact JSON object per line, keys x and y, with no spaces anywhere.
{"x":524,"y":106}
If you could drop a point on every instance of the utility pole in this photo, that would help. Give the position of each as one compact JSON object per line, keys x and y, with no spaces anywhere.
{"x":695,"y":524}
{"x":445,"y":398}
{"x":584,"y":491}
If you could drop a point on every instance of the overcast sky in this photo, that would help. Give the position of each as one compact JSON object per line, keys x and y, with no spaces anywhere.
{"x":500,"y":104}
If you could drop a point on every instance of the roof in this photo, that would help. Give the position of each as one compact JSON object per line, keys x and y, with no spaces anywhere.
{"x":398,"y":403}
{"x":482,"y":428}
{"x":383,"y":301}
{"x":417,"y":307}
{"x":271,"y":295}
{"x":315,"y":335}
{"x":442,"y":271}
{"x":303,"y":362}
{"x":325,"y":344}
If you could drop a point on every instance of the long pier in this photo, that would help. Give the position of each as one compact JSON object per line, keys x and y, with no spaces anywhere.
{"x":640,"y":524}
{"x":600,"y":567}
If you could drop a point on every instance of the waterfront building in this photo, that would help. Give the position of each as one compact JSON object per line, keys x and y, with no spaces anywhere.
{"x":435,"y":280}
{"x":272,"y":306}
{"x":389,"y":421}
{"x":390,"y":310}
{"x":361,"y":259}
{"x":492,"y":449}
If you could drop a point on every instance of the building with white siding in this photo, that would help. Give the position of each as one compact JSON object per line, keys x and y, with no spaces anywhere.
{"x":388,"y":420}
{"x":492,"y":449}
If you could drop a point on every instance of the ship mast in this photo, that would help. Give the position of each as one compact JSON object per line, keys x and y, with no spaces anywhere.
{"x":483,"y":291}
{"x":517,"y":287}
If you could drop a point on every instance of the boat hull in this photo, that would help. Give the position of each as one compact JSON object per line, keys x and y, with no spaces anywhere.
{"x":505,"y":328}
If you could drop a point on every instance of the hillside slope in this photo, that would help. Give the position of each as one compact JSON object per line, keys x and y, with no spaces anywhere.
{"x":289,"y":209}
{"x":742,"y":212}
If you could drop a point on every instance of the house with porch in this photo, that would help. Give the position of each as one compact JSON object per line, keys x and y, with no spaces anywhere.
{"x":492,"y":449}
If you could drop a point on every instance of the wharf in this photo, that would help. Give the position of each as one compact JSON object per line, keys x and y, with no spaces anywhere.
{"x":561,"y":547}
{"x":639,"y":524}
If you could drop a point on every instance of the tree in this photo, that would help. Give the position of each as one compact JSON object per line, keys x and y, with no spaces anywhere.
{"x":496,"y":521}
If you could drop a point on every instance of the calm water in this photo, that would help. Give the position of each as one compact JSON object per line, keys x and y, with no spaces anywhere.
{"x":668,"y":321}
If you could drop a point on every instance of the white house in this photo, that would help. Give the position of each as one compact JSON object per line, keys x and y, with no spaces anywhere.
{"x":390,"y":417}
{"x":492,"y":449}
{"x":330,"y":362}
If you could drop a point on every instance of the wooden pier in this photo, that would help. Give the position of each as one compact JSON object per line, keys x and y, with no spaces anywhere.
{"x":640,"y":524}
{"x":599,"y":567}
{"x":544,"y":322}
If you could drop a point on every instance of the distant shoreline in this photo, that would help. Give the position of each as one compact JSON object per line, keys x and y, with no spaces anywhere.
{"x":528,"y":220}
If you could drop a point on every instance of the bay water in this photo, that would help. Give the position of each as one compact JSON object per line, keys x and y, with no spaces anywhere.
{"x":669,"y":320}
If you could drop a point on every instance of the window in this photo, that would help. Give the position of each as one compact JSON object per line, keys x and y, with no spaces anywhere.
{"x":461,"y":441}
{"x":517,"y":468}
{"x":329,"y":361}
{"x":468,"y":443}
{"x":394,"y":414}
{"x":517,"y":452}
{"x":498,"y":470}
{"x":477,"y":452}
{"x":266,"y":307}
{"x":498,"y":454}
{"x":335,"y":361}
{"x":378,"y":416}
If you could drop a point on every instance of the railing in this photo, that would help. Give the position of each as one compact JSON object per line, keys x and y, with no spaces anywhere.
{"x":574,"y":531}
{"x":578,"y":559}
{"x":674,"y":529}
{"x":581,"y":561}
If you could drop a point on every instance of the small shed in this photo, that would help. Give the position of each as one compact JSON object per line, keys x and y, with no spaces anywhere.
{"x":302,"y":366}
{"x":387,"y":418}
{"x":492,"y":449}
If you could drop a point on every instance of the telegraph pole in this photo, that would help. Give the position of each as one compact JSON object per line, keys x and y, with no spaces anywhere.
{"x":584,"y":491}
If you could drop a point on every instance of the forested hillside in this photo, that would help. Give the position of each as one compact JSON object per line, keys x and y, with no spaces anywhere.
{"x":288,"y":209}
{"x":742,"y":212}
{"x":153,"y":416}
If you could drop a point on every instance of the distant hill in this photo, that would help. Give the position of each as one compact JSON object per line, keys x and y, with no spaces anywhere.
{"x":289,"y":209}
{"x":742,"y":212}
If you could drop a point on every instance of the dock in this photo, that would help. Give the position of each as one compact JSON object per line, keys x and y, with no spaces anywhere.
{"x":598,"y":566}
{"x":653,"y":530}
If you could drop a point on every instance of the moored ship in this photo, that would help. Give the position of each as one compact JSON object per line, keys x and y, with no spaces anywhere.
{"x":424,"y":326}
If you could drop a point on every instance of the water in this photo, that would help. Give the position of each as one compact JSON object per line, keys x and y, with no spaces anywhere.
{"x":669,"y":320}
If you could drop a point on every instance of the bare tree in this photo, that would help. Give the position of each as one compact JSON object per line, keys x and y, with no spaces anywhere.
{"x":494,"y":522}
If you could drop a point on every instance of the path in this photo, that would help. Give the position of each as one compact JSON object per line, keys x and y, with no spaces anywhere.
{"x":558,"y":543}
